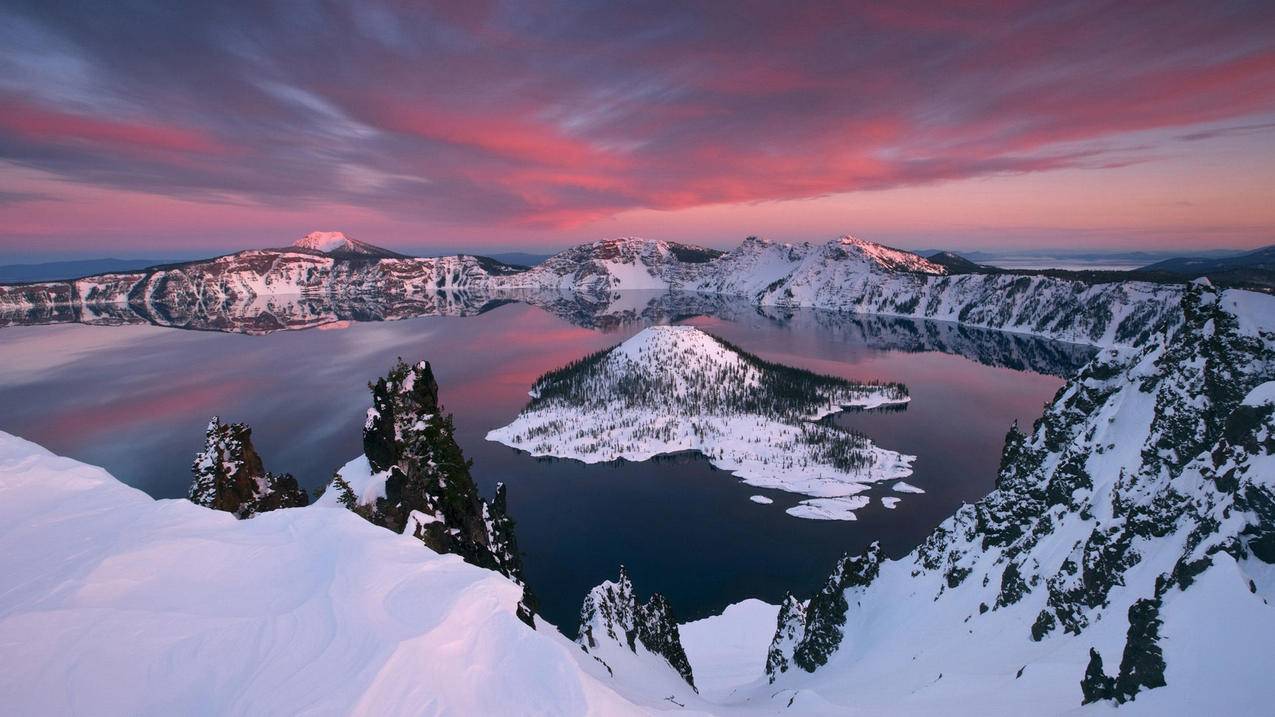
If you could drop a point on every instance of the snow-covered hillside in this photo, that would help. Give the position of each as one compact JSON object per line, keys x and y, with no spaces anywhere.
{"x":1126,"y":555}
{"x":845,"y":275}
{"x":853,"y":275}
{"x":676,"y":388}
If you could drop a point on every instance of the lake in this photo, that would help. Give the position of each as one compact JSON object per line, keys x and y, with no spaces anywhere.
{"x":135,"y":399}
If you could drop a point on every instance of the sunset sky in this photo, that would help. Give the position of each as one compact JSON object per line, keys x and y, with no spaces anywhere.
{"x":172,"y":129}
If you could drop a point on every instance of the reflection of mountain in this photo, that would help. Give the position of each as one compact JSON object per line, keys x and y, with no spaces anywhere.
{"x":675,"y":388}
{"x":258,"y":315}
{"x":1020,"y":352}
{"x":264,"y":315}
{"x":847,"y":275}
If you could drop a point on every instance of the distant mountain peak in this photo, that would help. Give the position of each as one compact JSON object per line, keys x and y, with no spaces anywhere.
{"x":886,"y":257}
{"x":337,"y":244}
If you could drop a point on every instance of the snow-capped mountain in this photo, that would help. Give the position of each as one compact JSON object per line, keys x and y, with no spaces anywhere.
{"x":338,"y":244}
{"x":608,"y":265}
{"x":846,"y":274}
{"x":854,"y":275}
{"x":252,"y":283}
{"x":676,"y":388}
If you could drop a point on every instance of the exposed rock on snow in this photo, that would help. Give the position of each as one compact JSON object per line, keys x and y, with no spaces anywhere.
{"x":612,"y":621}
{"x":789,"y":629}
{"x":229,"y":475}
{"x":676,"y":388}
{"x":414,"y":479}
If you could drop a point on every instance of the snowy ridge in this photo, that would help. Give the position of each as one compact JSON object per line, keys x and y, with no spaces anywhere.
{"x":846,"y":274}
{"x":675,"y":388}
{"x":1125,"y":557}
{"x":624,"y":264}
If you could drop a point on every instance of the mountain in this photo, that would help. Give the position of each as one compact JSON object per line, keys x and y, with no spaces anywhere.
{"x":846,"y":275}
{"x":624,"y":264}
{"x":675,"y":388}
{"x":338,"y":244}
{"x":1256,"y":268}
{"x":248,"y":282}
{"x":956,"y":264}
{"x":853,"y":275}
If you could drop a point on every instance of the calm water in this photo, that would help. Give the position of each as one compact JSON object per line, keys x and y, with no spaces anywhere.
{"x":135,"y":400}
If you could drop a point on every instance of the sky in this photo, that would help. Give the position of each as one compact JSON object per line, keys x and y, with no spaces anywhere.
{"x":172,"y":130}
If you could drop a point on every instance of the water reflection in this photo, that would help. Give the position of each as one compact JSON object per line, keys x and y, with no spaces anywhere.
{"x":135,"y":398}
{"x":609,"y":313}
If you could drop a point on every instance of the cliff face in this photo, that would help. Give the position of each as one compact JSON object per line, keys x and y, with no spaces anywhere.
{"x":229,"y":475}
{"x":1139,"y":505}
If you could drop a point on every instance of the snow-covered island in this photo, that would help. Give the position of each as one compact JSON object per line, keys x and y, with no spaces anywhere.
{"x":671,"y":389}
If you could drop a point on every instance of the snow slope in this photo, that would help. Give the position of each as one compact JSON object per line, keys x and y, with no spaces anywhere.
{"x":675,"y":388}
{"x":728,"y":651}
{"x":117,"y":604}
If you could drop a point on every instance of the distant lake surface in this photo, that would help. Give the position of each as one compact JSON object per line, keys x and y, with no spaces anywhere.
{"x":135,"y":400}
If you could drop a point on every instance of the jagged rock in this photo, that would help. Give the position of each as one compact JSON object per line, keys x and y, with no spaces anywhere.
{"x":826,"y":613}
{"x":428,"y":492}
{"x":611,"y":612}
{"x":1142,"y":665}
{"x":503,"y":543}
{"x":229,"y":475}
{"x":790,"y":626}
{"x":1096,"y":685}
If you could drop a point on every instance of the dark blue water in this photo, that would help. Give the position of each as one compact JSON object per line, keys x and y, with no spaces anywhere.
{"x":135,"y":399}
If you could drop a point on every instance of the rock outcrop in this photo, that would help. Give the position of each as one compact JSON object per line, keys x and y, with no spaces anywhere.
{"x":423,"y":486}
{"x":612,"y":616}
{"x":229,"y":475}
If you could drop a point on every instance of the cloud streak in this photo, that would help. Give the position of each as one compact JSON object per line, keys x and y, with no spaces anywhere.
{"x":555,"y":114}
